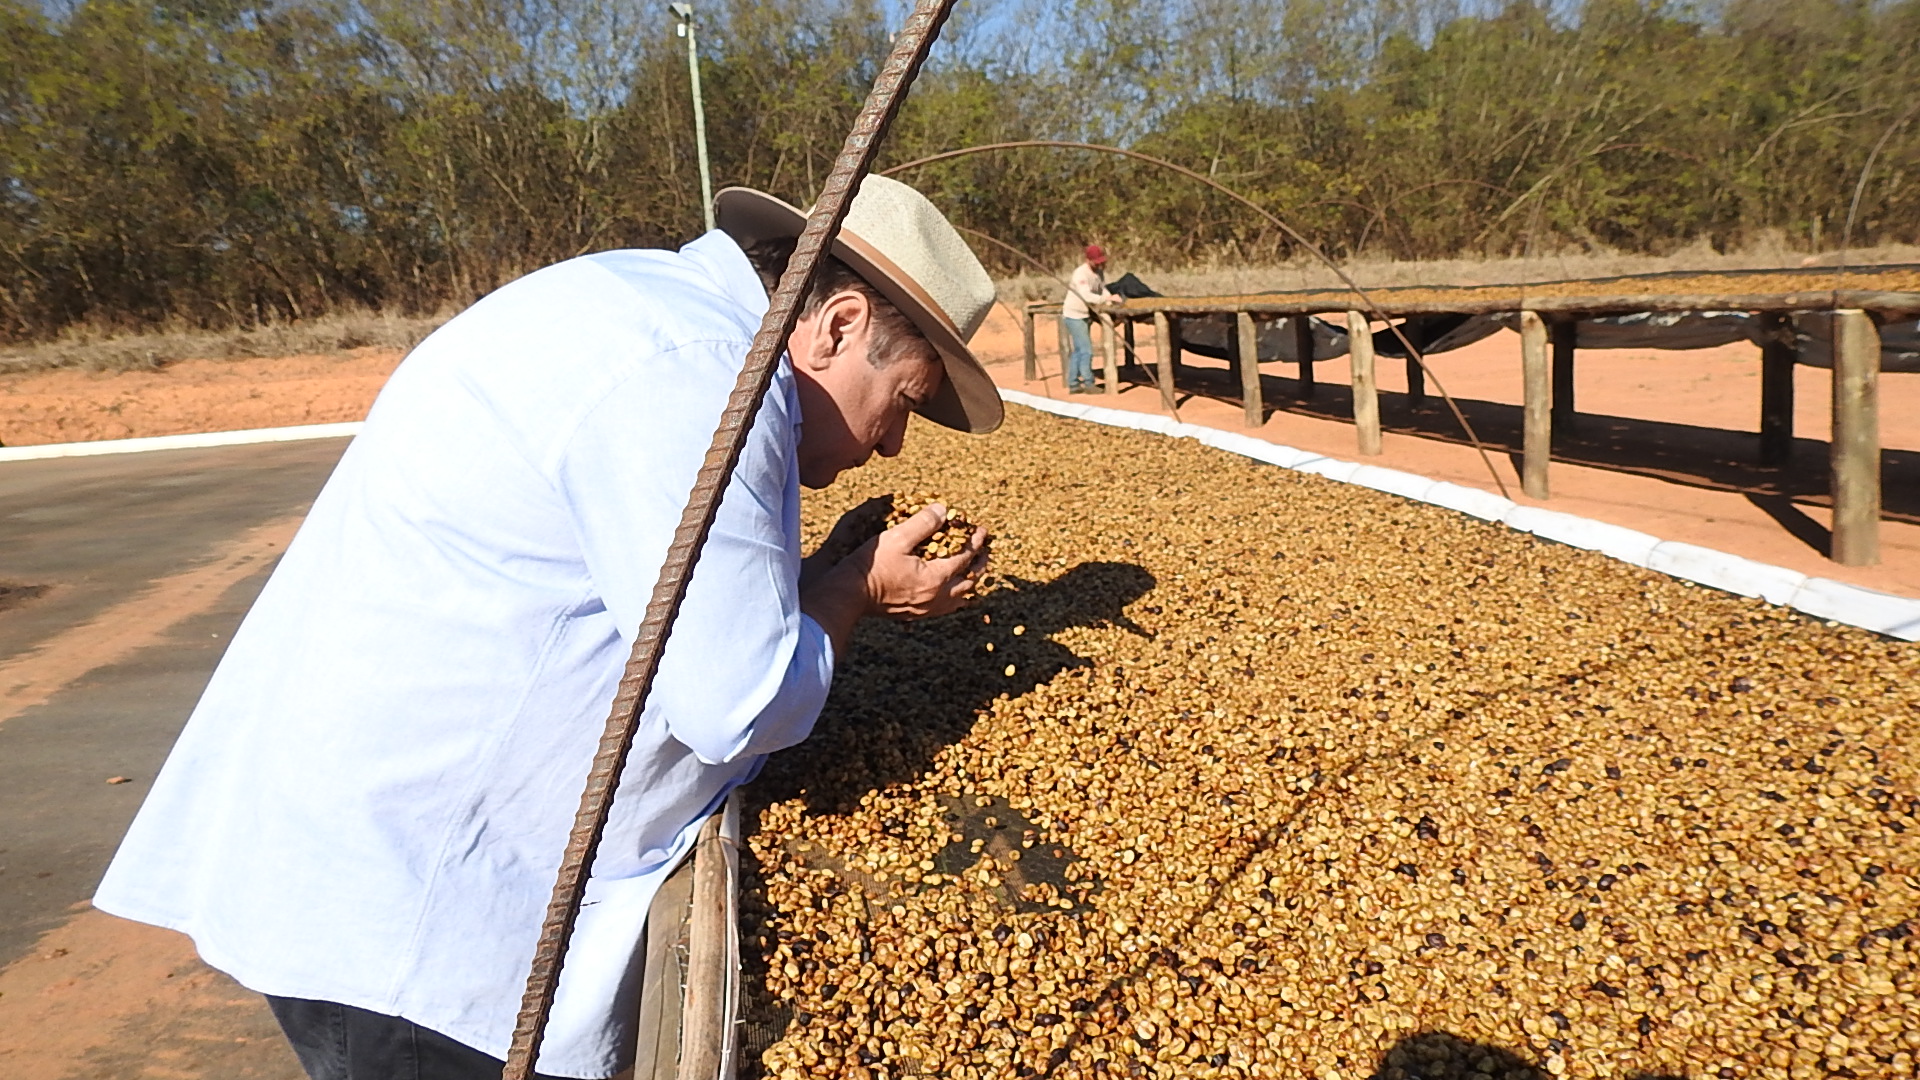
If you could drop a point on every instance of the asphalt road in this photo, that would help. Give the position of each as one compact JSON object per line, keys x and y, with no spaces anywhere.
{"x":97,"y":530}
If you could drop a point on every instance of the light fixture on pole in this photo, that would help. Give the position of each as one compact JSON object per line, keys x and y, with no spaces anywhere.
{"x":684,"y":13}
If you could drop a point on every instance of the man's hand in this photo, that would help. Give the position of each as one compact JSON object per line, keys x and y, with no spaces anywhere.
{"x":855,"y":527}
{"x":902,"y":585}
{"x":884,"y":577}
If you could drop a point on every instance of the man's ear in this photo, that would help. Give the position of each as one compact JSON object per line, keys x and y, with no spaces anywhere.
{"x":839,"y":329}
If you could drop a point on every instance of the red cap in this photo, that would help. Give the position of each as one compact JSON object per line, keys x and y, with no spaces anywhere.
{"x":1096,"y":253}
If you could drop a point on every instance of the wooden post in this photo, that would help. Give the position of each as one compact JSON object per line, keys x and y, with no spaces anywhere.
{"x":1537,"y":439}
{"x":1778,"y":354}
{"x":1416,"y":337}
{"x":1032,"y":368}
{"x":1163,"y":359}
{"x":1855,"y":449}
{"x":1303,"y":352}
{"x":1248,"y":349}
{"x":1366,"y":396}
{"x":707,"y":1022}
{"x":1108,"y":347}
{"x":1173,"y":344}
{"x":1126,"y":338}
{"x":1565,"y":333}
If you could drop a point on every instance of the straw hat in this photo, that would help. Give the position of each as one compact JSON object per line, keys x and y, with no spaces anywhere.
{"x":901,"y":245}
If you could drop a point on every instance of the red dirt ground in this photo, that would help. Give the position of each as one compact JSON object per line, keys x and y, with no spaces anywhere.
{"x":191,"y":396}
{"x":102,"y":998}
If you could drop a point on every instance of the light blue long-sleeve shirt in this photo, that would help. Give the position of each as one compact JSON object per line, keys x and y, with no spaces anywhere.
{"x":370,"y":802}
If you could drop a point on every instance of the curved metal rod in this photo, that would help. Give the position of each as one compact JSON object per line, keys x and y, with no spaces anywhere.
{"x":703,"y":504}
{"x":1314,"y":249}
{"x":1846,"y":237}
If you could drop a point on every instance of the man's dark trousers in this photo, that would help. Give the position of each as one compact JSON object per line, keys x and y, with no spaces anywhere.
{"x":341,"y":1042}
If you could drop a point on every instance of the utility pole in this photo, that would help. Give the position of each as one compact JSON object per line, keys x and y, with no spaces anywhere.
{"x":684,"y":13}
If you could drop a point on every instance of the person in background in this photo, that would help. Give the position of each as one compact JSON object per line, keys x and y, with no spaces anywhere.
{"x":1085,"y":288}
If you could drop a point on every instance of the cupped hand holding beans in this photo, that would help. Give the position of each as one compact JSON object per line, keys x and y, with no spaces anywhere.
{"x":886,"y":576}
{"x":903,"y":582}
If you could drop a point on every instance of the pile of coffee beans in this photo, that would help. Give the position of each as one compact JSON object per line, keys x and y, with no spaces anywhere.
{"x":1238,"y":772}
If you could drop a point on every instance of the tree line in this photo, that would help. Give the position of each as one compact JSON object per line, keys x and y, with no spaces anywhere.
{"x":229,"y":163}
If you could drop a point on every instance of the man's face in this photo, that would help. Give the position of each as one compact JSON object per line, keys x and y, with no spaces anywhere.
{"x":850,"y":409}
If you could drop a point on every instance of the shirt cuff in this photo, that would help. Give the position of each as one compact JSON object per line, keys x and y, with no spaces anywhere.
{"x":789,"y":718}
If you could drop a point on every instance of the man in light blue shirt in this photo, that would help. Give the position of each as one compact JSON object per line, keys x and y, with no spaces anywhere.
{"x":364,"y":816}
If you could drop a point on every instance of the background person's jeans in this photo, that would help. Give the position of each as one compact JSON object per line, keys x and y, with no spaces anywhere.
{"x":341,"y":1042}
{"x":1079,"y":354}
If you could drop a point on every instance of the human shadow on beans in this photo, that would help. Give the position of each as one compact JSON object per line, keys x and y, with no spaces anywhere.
{"x":1442,"y":1055}
{"x":906,"y":691}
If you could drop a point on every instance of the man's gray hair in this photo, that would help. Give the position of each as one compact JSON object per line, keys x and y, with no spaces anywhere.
{"x":894,"y":335}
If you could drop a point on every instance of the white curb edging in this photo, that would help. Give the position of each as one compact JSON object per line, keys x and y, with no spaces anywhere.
{"x":1869,"y":609}
{"x":180,"y":442}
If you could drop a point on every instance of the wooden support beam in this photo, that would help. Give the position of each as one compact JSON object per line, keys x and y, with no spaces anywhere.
{"x":1495,"y":299}
{"x":1163,"y":347}
{"x":1032,"y":368}
{"x":1855,"y":449}
{"x":1537,"y":440}
{"x":707,"y":1024}
{"x":1109,"y":346}
{"x":1126,"y":338}
{"x":1366,"y":395}
{"x":1303,"y":352}
{"x":1247,"y":351}
{"x":1173,"y":342}
{"x":1416,"y":381}
{"x":1778,"y":354}
{"x":1565,"y":335}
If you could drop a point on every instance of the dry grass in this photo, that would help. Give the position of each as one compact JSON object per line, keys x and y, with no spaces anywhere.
{"x":94,"y":350}
{"x":1228,"y":280}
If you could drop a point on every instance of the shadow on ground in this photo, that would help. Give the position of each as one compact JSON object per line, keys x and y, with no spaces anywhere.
{"x":1441,"y":1055}
{"x":1713,"y":459}
{"x":909,"y":690}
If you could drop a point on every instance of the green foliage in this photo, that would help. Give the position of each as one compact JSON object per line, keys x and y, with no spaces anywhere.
{"x":231,"y":163}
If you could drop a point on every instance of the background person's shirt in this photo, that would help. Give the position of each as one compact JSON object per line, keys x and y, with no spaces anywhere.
{"x":370,"y":802}
{"x":1085,"y":287}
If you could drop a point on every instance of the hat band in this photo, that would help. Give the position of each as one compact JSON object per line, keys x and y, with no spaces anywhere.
{"x":901,"y":280}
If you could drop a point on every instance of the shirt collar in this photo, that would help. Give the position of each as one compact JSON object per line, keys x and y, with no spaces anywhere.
{"x":720,"y":257}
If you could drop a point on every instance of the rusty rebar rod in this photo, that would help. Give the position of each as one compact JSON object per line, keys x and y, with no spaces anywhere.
{"x":836,"y":197}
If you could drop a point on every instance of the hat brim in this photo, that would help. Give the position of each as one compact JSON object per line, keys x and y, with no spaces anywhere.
{"x":967,"y":399}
